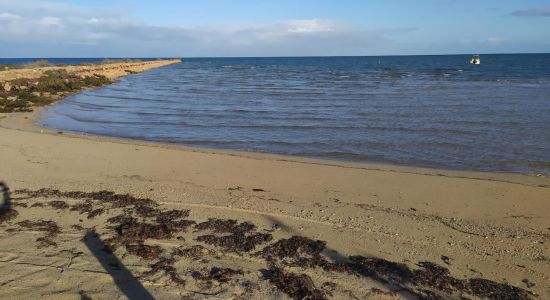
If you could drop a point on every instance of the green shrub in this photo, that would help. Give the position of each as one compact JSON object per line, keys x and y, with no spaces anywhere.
{"x":96,"y":80}
{"x":37,"y":64}
{"x":53,"y":82}
{"x":57,"y":81}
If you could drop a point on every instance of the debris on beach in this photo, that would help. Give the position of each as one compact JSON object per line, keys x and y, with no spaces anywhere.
{"x":243,"y":237}
{"x":50,"y":229}
{"x":58,"y":204}
{"x":222,"y":275}
{"x":294,"y":285}
{"x":137,"y":226}
{"x":145,"y":251}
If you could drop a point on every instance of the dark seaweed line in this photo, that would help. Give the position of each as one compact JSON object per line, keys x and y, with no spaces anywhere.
{"x":429,"y":281}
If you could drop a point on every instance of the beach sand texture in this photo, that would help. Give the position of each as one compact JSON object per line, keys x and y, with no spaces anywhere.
{"x":403,"y":227}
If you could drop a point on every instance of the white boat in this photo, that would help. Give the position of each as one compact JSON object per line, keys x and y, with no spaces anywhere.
{"x":475,"y":60}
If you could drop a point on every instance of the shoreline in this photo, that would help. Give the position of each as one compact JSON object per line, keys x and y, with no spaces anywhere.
{"x":474,"y":225}
{"x":28,"y":122}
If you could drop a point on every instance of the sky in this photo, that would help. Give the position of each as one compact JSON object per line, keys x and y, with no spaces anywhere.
{"x":214,"y":28}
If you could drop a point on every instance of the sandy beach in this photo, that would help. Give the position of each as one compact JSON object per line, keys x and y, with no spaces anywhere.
{"x":88,"y":217}
{"x":478,"y":225}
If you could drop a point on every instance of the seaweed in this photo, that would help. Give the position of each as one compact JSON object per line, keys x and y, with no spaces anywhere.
{"x":494,"y":290}
{"x":237,"y":242}
{"x":84,"y":207}
{"x":146,"y":211}
{"x":96,"y":212}
{"x":145,"y":251}
{"x":193,"y":252}
{"x":58,"y":204}
{"x":242,"y":237}
{"x":50,"y":228}
{"x":143,"y":220}
{"x":116,"y":200}
{"x":297,"y":286}
{"x":168,"y":216}
{"x":222,"y":275}
{"x":297,"y":251}
{"x":166,"y":266}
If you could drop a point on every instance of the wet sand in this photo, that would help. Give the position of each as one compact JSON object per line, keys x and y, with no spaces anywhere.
{"x":360,"y":230}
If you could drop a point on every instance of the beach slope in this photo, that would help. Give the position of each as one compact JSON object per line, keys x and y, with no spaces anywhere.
{"x":103,"y":218}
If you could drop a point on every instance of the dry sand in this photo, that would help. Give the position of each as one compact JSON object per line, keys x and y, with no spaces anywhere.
{"x":478,"y":225}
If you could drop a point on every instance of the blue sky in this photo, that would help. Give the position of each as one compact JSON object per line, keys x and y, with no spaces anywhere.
{"x":60,"y":28}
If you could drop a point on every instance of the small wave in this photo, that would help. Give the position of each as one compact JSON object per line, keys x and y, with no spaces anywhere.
{"x":436,"y":111}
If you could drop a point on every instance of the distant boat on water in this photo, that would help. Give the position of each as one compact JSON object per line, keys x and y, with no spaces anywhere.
{"x":475,"y":60}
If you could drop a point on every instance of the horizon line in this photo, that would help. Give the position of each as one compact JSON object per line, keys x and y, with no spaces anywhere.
{"x":297,"y":56}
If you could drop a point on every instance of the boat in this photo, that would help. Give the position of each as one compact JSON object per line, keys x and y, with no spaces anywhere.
{"x":475,"y":60}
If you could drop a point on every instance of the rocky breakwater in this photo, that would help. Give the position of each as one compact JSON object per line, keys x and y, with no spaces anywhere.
{"x":23,"y":89}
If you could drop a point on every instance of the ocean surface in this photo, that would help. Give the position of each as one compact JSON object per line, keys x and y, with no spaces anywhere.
{"x":427,"y":111}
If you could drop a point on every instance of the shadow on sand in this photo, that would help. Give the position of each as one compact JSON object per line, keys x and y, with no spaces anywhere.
{"x":6,"y":202}
{"x":6,"y":211}
{"x":123,"y":278}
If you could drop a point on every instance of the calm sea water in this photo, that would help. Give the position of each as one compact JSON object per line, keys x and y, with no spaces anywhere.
{"x":432,"y":111}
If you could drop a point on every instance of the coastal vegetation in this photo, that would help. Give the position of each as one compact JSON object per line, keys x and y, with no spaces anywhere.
{"x":40,"y":83}
{"x":20,"y":95}
{"x":43,"y":63}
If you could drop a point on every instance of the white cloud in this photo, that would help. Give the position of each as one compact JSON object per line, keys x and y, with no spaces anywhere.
{"x":308,"y":26}
{"x":494,"y":40}
{"x":533,"y":12}
{"x":8,"y":16}
{"x":46,"y":28}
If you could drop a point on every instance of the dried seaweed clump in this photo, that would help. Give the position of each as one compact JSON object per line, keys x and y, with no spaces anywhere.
{"x":429,"y":279}
{"x":58,"y":204}
{"x":132,"y":233}
{"x":242,"y":238}
{"x":222,"y":275}
{"x":145,"y":251}
{"x":166,"y":265}
{"x":171,"y":215}
{"x":50,"y":229}
{"x":294,"y":285}
{"x":194,"y":252}
{"x":116,"y":200}
{"x":297,"y":251}
{"x":484,"y":288}
{"x":84,"y":207}
{"x":434,"y":277}
{"x":96,"y":212}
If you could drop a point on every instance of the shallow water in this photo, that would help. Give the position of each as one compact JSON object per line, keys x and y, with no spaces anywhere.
{"x":431,"y":111}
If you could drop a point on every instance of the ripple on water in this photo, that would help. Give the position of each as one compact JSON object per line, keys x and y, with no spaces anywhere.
{"x":422,"y":111}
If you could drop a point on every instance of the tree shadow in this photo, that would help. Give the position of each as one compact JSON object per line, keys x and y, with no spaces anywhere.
{"x":123,"y":278}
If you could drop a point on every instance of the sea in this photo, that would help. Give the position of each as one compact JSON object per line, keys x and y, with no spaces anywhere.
{"x":421,"y":111}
